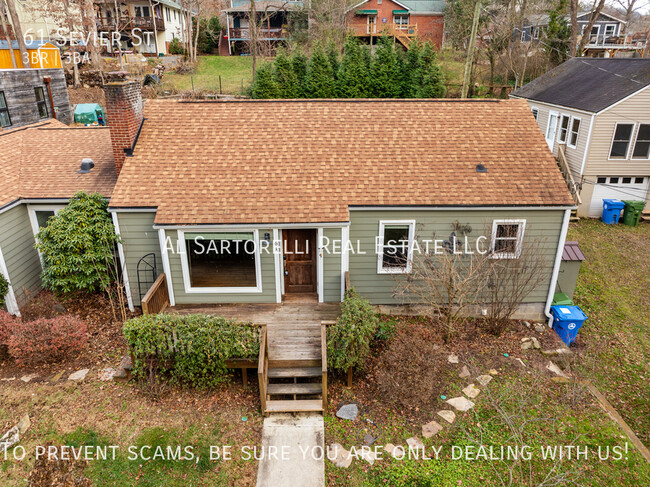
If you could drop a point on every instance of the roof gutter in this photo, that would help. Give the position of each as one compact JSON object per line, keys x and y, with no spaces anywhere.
{"x":556,"y":266}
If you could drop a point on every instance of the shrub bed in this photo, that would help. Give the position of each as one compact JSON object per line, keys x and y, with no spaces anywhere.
{"x":190,"y":349}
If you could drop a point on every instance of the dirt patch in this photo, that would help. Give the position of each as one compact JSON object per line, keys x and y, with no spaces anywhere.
{"x":93,"y":94}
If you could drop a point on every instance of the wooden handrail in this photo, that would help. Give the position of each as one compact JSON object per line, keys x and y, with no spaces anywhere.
{"x":566,"y":172}
{"x":157,"y":297}
{"x":323,"y":337}
{"x":262,"y":366}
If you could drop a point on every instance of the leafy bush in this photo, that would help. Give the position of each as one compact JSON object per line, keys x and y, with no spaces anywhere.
{"x":348,"y":341}
{"x":6,"y":323}
{"x":46,"y":340}
{"x":191,"y":349}
{"x":386,"y":330}
{"x":175,"y":47}
{"x":4,"y":289}
{"x":78,"y":246}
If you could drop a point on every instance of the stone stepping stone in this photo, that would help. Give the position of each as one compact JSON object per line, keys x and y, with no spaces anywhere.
{"x":460,"y":403}
{"x":348,"y":411}
{"x":394,"y":451}
{"x":494,"y":372}
{"x":79,"y":375}
{"x":452,"y":359}
{"x":556,"y":370}
{"x":57,"y":377}
{"x":431,"y":429}
{"x":539,"y":328}
{"x":484,"y":379}
{"x":106,"y":374}
{"x":28,"y":378}
{"x":368,"y":455}
{"x":342,"y":457}
{"x":471,"y":391}
{"x":415,"y":443}
{"x":447,"y":415}
{"x":8,"y":379}
{"x":464,"y":372}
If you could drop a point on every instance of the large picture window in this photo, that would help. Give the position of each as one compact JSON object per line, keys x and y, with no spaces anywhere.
{"x":221,"y":262}
{"x":395,"y":246}
{"x":507,"y":237}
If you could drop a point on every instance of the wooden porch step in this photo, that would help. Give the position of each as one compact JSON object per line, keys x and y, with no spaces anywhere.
{"x":294,"y":406}
{"x":304,"y":388}
{"x":289,"y":372}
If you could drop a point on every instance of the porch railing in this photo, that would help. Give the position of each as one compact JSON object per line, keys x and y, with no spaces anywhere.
{"x":263,"y":367}
{"x":245,"y":33}
{"x":323,"y":336}
{"x":157,"y":297}
{"x":128,"y":22}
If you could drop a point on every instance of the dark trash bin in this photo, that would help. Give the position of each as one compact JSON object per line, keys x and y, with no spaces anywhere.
{"x":632,"y":212}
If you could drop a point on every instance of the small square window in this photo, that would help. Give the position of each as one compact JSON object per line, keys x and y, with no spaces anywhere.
{"x":613,"y":180}
{"x":394,"y":247}
{"x":601,"y":180}
{"x":507,"y":236}
{"x":627,"y":180}
{"x":638,"y":180}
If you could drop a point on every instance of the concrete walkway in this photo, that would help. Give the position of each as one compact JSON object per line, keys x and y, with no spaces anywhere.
{"x":298,"y":441}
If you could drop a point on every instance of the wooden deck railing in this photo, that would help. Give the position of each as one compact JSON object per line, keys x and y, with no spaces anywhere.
{"x":323,"y":336}
{"x":130,"y":22}
{"x":157,"y":297}
{"x":574,"y":188}
{"x":263,"y":367}
{"x":244,"y":33}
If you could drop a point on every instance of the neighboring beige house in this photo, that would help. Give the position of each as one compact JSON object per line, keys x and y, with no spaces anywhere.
{"x":595,"y":116}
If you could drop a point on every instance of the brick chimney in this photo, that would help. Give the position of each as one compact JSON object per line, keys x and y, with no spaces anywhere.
{"x":123,"y":114}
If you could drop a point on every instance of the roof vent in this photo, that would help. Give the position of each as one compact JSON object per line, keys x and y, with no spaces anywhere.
{"x":86,"y":165}
{"x":481,"y":168}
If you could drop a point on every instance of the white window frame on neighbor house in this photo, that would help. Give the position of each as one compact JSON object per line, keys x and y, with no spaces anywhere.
{"x":519,"y":239}
{"x":637,"y":129}
{"x":401,"y":25}
{"x":606,"y":27}
{"x":380,"y":247}
{"x":31,"y":211}
{"x":629,"y":144}
{"x":570,"y":133}
{"x":185,"y":267}
{"x":560,"y":138}
{"x":535,"y":111}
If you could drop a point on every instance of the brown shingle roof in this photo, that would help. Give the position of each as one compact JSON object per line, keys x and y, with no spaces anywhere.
{"x":41,"y":161}
{"x":309,"y":160}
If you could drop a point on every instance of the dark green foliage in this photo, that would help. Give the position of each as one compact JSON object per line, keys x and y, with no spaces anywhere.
{"x":354,"y":72}
{"x":386,"y":70}
{"x":386,"y":330}
{"x":209,"y":32}
{"x":4,"y":289}
{"x":431,"y":84}
{"x":320,"y":76}
{"x":299,"y":63}
{"x":348,"y":341}
{"x":333,"y":57}
{"x":265,"y":86}
{"x":190,"y":349}
{"x":558,"y":34}
{"x":412,"y":73}
{"x":78,"y":246}
{"x":285,"y":77}
{"x":175,"y":47}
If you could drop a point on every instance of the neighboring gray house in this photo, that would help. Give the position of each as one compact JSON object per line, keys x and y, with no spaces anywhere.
{"x":595,"y":114}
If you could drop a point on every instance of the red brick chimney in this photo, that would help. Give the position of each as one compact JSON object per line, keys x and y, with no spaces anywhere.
{"x":123,"y":114}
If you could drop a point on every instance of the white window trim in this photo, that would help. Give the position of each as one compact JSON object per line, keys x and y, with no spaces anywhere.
{"x":636,"y":136}
{"x":219,"y":290}
{"x":629,"y":145}
{"x":535,"y":112}
{"x":520,"y":239}
{"x":568,"y":129}
{"x":570,"y":132}
{"x":31,"y":210}
{"x":613,"y":34}
{"x":380,"y":247}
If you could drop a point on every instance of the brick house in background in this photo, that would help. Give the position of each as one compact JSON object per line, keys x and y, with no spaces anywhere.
{"x":403,"y":19}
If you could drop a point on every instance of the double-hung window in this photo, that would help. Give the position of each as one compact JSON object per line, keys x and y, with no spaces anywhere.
{"x":507,"y":237}
{"x":535,"y":111}
{"x":564,"y":129}
{"x":395,"y":246}
{"x":642,"y":143}
{"x":573,"y":134}
{"x":40,"y":102}
{"x":401,"y":21}
{"x":5,"y":119}
{"x":621,"y":142}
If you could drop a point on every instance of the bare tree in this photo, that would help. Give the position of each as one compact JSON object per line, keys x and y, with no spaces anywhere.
{"x":629,"y":7}
{"x":598,"y":6}
{"x":18,"y":31}
{"x":5,"y":29}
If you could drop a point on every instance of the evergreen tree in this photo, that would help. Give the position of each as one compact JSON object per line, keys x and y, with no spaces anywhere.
{"x":285,"y":76}
{"x":558,"y":34}
{"x":299,"y":64}
{"x":354,"y":74}
{"x":385,"y":70}
{"x":333,"y":57}
{"x":412,"y":76}
{"x":265,"y":85}
{"x":432,"y":85}
{"x":320,"y":77}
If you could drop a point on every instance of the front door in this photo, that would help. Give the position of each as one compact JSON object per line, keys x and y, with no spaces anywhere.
{"x":551,"y":129}
{"x":299,"y":261}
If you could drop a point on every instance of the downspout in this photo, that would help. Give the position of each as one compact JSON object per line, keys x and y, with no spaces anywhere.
{"x":556,"y":266}
{"x":47,"y":80}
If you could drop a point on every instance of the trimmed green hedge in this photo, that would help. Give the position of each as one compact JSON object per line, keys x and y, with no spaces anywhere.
{"x":190,"y":349}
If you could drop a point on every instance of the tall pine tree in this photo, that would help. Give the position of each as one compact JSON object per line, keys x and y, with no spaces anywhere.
{"x":432,"y":85}
{"x":386,"y":70}
{"x":320,"y":77}
{"x":285,"y":76}
{"x":299,"y":65}
{"x":264,"y":85}
{"x":412,"y":73}
{"x":354,"y":73}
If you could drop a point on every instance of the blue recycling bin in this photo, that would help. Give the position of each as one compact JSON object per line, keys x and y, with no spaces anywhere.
{"x":567,"y":320}
{"x":612,"y":211}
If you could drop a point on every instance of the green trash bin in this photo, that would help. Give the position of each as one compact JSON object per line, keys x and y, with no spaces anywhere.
{"x":561,"y":299}
{"x":632,"y":212}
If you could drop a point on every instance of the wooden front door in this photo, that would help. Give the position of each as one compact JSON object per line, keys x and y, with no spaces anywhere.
{"x":299,"y":261}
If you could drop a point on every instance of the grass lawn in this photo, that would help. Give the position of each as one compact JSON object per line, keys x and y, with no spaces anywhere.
{"x":235,"y":71}
{"x":614,"y":291}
